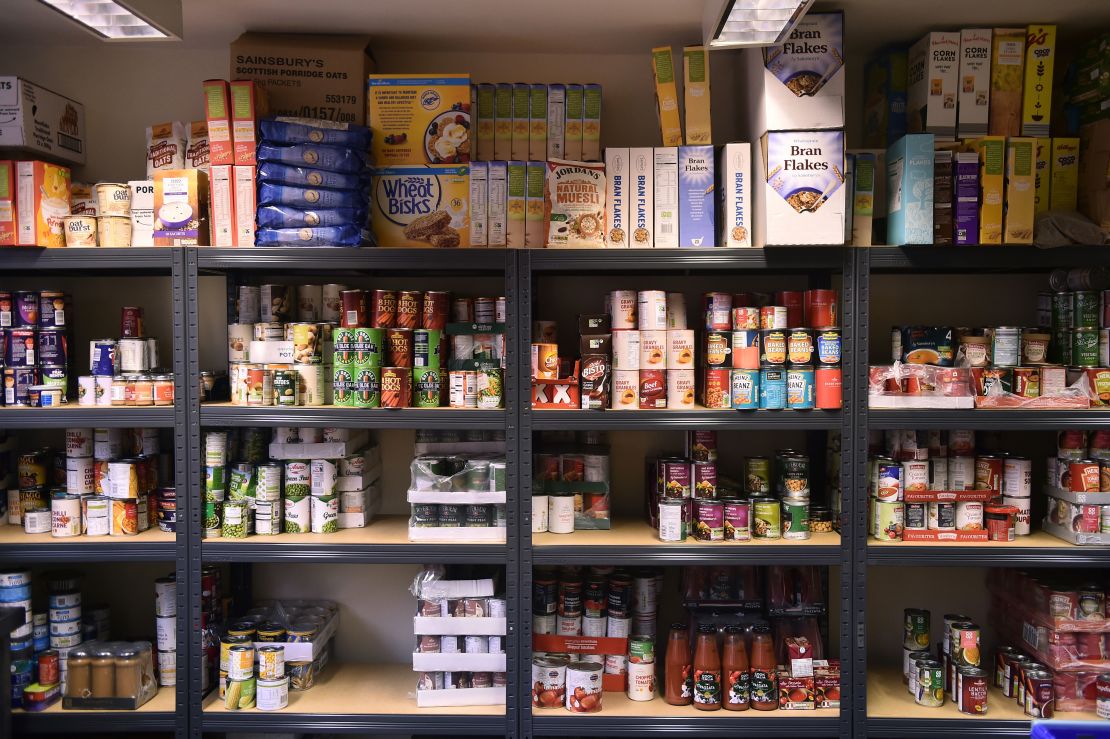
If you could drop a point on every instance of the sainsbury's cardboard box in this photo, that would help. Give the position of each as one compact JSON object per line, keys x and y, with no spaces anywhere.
{"x":43,"y":123}
{"x":307,"y":75}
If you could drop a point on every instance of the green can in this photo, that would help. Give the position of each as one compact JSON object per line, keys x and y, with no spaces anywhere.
{"x":286,"y":387}
{"x":757,"y":475}
{"x":367,"y":388}
{"x":641,"y":649}
{"x":1084,"y":347}
{"x":477,"y":475}
{"x":343,"y":386}
{"x":235,"y":523}
{"x":1060,"y":349}
{"x":1084,"y":309}
{"x":254,"y":444}
{"x":343,"y":342}
{"x":212,"y":515}
{"x":766,"y":518}
{"x":916,"y":632}
{"x":1062,"y":306}
{"x":795,"y":518}
{"x":497,"y":474}
{"x":426,"y":387}
{"x":930,"y":683}
{"x":215,"y":482}
{"x":368,"y":346}
{"x":889,"y":520}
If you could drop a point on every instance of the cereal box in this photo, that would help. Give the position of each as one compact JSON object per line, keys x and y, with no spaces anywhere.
{"x":196,"y":150}
{"x":7,"y":203}
{"x":1020,"y":191}
{"x":932,"y":78}
{"x":1065,"y":174}
{"x":217,"y":114}
{"x":572,"y":132}
{"x":801,"y":198}
{"x":479,"y":202}
{"x":556,"y":120}
{"x":533,"y":204}
{"x":591,"y":122}
{"x":1042,"y":152}
{"x":1007,"y":66}
{"x":179,"y":198}
{"x":574,"y":204}
{"x":641,"y":183}
{"x":734,"y":188}
{"x":666,"y":96}
{"x":243,"y":182}
{"x":248,"y":105}
{"x":521,"y":98}
{"x":39,"y":121}
{"x":965,"y":193}
{"x":421,"y":205}
{"x":503,"y":121}
{"x":498,"y":203}
{"x":142,"y":212}
{"x":695,"y":90}
{"x":42,"y":201}
{"x":864,"y":183}
{"x":696,"y":197}
{"x":221,"y":206}
{"x":537,"y":122}
{"x":849,"y":188}
{"x":909,"y":187}
{"x":992,"y":183}
{"x":666,"y":196}
{"x":974,"y":82}
{"x":942,"y":196}
{"x":1036,"y":106}
{"x":616,"y":197}
{"x":884,"y":115}
{"x":82,"y":199}
{"x":486,"y":121}
{"x":419,"y":119}
{"x":517,"y":188}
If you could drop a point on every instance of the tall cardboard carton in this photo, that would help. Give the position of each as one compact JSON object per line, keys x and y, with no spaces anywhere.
{"x":884,"y":114}
{"x":696,"y":196}
{"x":974,"y":82}
{"x":479,"y":195}
{"x":537,"y":122}
{"x":666,"y":96}
{"x":799,"y":188}
{"x":965,"y":228}
{"x":573,"y":127}
{"x":556,"y":120}
{"x":503,"y":121}
{"x":992,"y":184}
{"x":7,"y":203}
{"x":221,"y":205}
{"x":695,"y":90}
{"x":516,"y":197}
{"x":1020,"y":191}
{"x":932,"y":76}
{"x":616,"y":197}
{"x":909,"y":186}
{"x":591,"y":122}
{"x":1040,"y":56}
{"x":245,"y":204}
{"x":1007,"y":66}
{"x":942,"y":196}
{"x":248,"y":106}
{"x":487,"y":120}
{"x":641,"y":178}
{"x":533,"y":217}
{"x":666,"y":197}
{"x":735,"y":187}
{"x":1042,"y":174}
{"x":864,"y":184}
{"x":498,"y":203}
{"x":217,"y":114}
{"x":521,"y":98}
{"x":1065,"y":174}
{"x":42,"y":202}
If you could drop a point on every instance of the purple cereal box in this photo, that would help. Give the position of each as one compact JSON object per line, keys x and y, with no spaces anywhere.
{"x":966,"y":197}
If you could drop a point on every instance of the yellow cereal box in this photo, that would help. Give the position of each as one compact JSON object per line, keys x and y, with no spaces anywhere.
{"x":1020,"y":191}
{"x":421,"y":205}
{"x":515,"y":209}
{"x":42,"y":201}
{"x":1064,"y":167}
{"x":992,"y":183}
{"x":503,"y":121}
{"x":591,"y":122}
{"x":7,"y":203}
{"x":522,"y":92}
{"x":666,"y":96}
{"x":537,"y":123}
{"x":1041,"y":153}
{"x":1007,"y":63}
{"x":419,"y":119}
{"x":572,"y":133}
{"x":695,"y":89}
{"x":486,"y":121}
{"x":1036,"y":107}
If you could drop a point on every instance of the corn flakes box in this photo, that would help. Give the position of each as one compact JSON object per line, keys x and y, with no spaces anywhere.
{"x":934,"y":64}
{"x":419,"y":119}
{"x":421,"y":205}
{"x":42,"y":201}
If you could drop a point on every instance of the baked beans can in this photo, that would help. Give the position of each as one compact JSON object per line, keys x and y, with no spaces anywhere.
{"x":773,"y":346}
{"x":1039,"y":698}
{"x":718,"y":348}
{"x":828,"y":390}
{"x":745,"y":318}
{"x":800,"y":387}
{"x":772,"y":387}
{"x":744,"y":388}
{"x":828,"y":346}
{"x":409,"y":309}
{"x":651,"y":310}
{"x":717,"y":308}
{"x":799,"y":346}
{"x":772,"y":317}
{"x":626,"y":350}
{"x":745,"y":349}
{"x":717,"y":388}
{"x":549,"y":676}
{"x":396,"y":387}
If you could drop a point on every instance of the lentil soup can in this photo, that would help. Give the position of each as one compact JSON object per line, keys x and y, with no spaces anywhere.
{"x":583,"y":690}
{"x":971,"y":692}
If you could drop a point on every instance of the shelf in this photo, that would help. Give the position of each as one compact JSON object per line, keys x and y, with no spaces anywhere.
{"x":226,"y":414}
{"x":157,"y":714}
{"x":782,"y":259}
{"x":138,"y":260}
{"x":319,"y":260}
{"x":1018,"y":420}
{"x":151,"y":545}
{"x":620,"y":716}
{"x":385,"y":540}
{"x":980,"y":259}
{"x":78,"y":416}
{"x":550,"y":420}
{"x":892,"y":712}
{"x":1039,"y":549}
{"x":636,"y":542}
{"x":358,"y":698}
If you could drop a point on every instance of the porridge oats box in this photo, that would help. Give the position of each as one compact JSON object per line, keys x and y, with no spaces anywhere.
{"x":974,"y":82}
{"x":1020,"y":191}
{"x":734,"y":178}
{"x":7,"y":203}
{"x":420,"y":119}
{"x":421,"y":205}
{"x":142,"y":212}
{"x":179,"y":198}
{"x":641,"y":208}
{"x":666,"y":197}
{"x":909,"y":186}
{"x":616,"y":197}
{"x":574,"y":204}
{"x":41,"y":122}
{"x":535,"y":173}
{"x":42,"y":202}
{"x":801,"y":196}
{"x":696,"y":197}
{"x":932,"y":76}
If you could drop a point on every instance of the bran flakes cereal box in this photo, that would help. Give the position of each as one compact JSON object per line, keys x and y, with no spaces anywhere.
{"x":696,"y":197}
{"x":421,"y":205}
{"x":932,"y":77}
{"x":616,"y":197}
{"x":799,"y":83}
{"x":574,"y":204}
{"x":666,"y":197}
{"x":641,"y":209}
{"x":801,"y":195}
{"x":419,"y":119}
{"x":7,"y":203}
{"x":1007,"y":66}
{"x":42,"y":201}
{"x":1020,"y":191}
{"x":974,"y":82}
{"x":734,"y":186}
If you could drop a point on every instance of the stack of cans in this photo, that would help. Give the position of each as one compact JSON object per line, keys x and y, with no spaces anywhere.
{"x":34,"y":340}
{"x":165,"y":617}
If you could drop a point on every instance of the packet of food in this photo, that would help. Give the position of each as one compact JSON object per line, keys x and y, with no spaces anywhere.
{"x":165,"y":147}
{"x":196,"y":148}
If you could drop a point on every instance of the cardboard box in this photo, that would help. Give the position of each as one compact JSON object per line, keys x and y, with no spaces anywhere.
{"x":479,"y":203}
{"x":992,"y":183}
{"x":695,"y":91}
{"x":864,"y":183}
{"x":616,"y":197}
{"x":522,"y":98}
{"x":534,"y":223}
{"x":516,"y":195}
{"x":1020,"y":191}
{"x":666,"y":96}
{"x":221,"y":206}
{"x":42,"y":202}
{"x":82,"y":199}
{"x":800,"y":198}
{"x":1040,"y":57}
{"x":420,"y":119}
{"x":849,"y":188}
{"x":537,"y":123}
{"x":734,"y":190}
{"x":942,"y":196}
{"x":503,"y":121}
{"x":404,"y":199}
{"x":556,"y":121}
{"x":307,"y":75}
{"x":884,"y":114}
{"x":796,"y":693}
{"x":180,"y":196}
{"x":1094,"y":168}
{"x":248,"y":105}
{"x":591,"y":123}
{"x":696,"y":196}
{"x":641,"y":215}
{"x":196,"y":150}
{"x":974,"y":82}
{"x":142,"y":212}
{"x":800,"y":83}
{"x":498,"y":203}
{"x":665,"y":173}
{"x":487,"y":120}
{"x":965,"y":194}
{"x":932,"y":77}
{"x":7,"y":203}
{"x":245,"y":204}
{"x":572,"y":131}
{"x":909,"y":186}
{"x":44,"y":123}
{"x":217,"y":115}
{"x":1064,"y":167}
{"x":1042,"y":174}
{"x":1007,"y":68}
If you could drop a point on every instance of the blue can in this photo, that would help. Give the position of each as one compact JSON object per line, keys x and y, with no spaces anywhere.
{"x":17,"y":384}
{"x":772,"y":388}
{"x":52,"y":347}
{"x":828,"y":346}
{"x":745,"y":388}
{"x":800,"y":387}
{"x":15,"y":594}
{"x":103,"y":357}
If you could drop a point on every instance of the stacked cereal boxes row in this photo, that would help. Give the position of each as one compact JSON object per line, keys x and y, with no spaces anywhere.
{"x":523,"y":121}
{"x":232,"y":111}
{"x":695,"y":88}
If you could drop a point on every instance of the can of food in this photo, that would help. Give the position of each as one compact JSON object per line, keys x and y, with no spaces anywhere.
{"x":426,"y":387}
{"x":1006,"y":346}
{"x":1084,"y":476}
{"x":485,"y":310}
{"x":971,"y":690}
{"x":1085,"y":309}
{"x":800,"y":388}
{"x":772,"y":387}
{"x":766,"y":518}
{"x":672,"y":519}
{"x":737,"y":519}
{"x":434,"y":309}
{"x":708,"y":520}
{"x":353,"y":311}
{"x":989,"y":470}
{"x":799,"y":346}
{"x":795,"y":518}
{"x":36,"y":520}
{"x":65,"y":515}
{"x":888,"y":479}
{"x":969,"y":515}
{"x":489,"y":386}
{"x":240,"y":661}
{"x":1038,"y":692}
{"x":915,"y":631}
{"x":773,"y":317}
{"x":427,"y":348}
{"x":1084,"y":347}
{"x":717,"y":307}
{"x":889,"y":520}
{"x":583,"y":687}
{"x":653,"y":349}
{"x":560,"y":513}
{"x":52,"y":348}
{"x":549,"y":676}
{"x":399,"y":347}
{"x":910,"y":667}
{"x":396,"y":387}
{"x":651,"y":311}
{"x":641,"y":680}
{"x":757,"y":475}
{"x":930,"y":684}
{"x":1102,"y":696}
{"x":828,"y":346}
{"x":1017,"y":477}
{"x":773,"y":347}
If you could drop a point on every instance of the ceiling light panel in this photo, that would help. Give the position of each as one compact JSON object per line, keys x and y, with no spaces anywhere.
{"x":746,"y":23}
{"x":114,"y":21}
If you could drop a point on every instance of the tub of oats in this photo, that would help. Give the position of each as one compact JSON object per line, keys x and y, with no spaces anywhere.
{"x":574,"y":204}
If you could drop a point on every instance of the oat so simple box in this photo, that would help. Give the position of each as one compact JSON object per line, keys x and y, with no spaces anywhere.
{"x":933,"y":69}
{"x":421,"y":119}
{"x":992,"y":183}
{"x":1020,"y":191}
{"x":734,"y":176}
{"x":909,"y":187}
{"x":39,"y":121}
{"x":696,"y":212}
{"x":616,"y":197}
{"x":800,"y":198}
{"x":421,"y":205}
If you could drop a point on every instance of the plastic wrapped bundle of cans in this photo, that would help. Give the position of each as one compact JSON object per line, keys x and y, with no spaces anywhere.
{"x":34,"y":341}
{"x":455,"y":475}
{"x":570,"y":490}
{"x":461,"y":647}
{"x":105,"y":483}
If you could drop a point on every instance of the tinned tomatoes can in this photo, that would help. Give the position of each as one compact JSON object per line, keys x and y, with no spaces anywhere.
{"x":583,"y":690}
{"x":549,"y":682}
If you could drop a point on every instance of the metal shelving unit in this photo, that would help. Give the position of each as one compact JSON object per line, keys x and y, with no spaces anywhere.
{"x":746,"y":725}
{"x":224,"y":414}
{"x":1010,"y":420}
{"x":696,"y":419}
{"x":73,"y":415}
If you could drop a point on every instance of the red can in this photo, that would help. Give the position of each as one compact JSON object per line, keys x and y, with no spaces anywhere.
{"x":570,"y":599}
{"x":131,"y":321}
{"x":462,"y":310}
{"x":1027,"y":382}
{"x":1072,"y":443}
{"x":1040,"y":701}
{"x":49,"y":667}
{"x":398,"y":347}
{"x":745,"y":300}
{"x":772,"y":316}
{"x":354,"y":309}
{"x":435,"y":310}
{"x":829,"y":393}
{"x":821,"y":309}
{"x":653,"y":389}
{"x":620,"y":597}
{"x":383,"y":309}
{"x":1085,"y":476}
{"x":794,"y":301}
{"x":409,"y":307}
{"x":988,"y":473}
{"x":717,"y":388}
{"x":1000,"y":522}
{"x":546,"y":466}
{"x":744,"y":318}
{"x":396,"y":387}
{"x":594,"y":598}
{"x":972,"y":691}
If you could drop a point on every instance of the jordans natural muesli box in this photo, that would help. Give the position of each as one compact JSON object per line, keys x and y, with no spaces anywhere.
{"x":801,"y":196}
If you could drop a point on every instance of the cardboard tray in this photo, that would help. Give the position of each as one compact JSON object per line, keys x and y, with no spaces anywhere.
{"x":1077,"y":498}
{"x":328,"y":449}
{"x":422,"y":662}
{"x":925,"y":496}
{"x":930,"y":535}
{"x":490,"y":534}
{"x":452,"y":589}
{"x":446,"y":496}
{"x":455,"y":626}
{"x":460,"y":697}
{"x":1075,"y":537}
{"x":306,"y":651}
{"x":910,"y":402}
